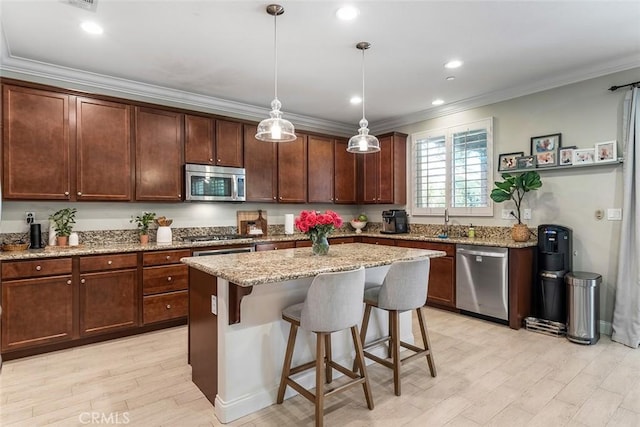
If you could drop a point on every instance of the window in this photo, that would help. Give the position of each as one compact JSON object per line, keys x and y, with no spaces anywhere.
{"x":452,"y":169}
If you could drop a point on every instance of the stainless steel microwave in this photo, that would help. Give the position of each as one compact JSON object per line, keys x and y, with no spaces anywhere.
{"x":214,"y":183}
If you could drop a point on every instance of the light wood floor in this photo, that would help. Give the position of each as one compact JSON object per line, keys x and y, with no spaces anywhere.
{"x":488,"y":374}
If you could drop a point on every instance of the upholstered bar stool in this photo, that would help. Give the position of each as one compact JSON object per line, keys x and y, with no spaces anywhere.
{"x":333,"y":303}
{"x":404,"y":288}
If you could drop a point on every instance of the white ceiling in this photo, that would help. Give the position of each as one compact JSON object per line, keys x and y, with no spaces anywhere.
{"x":210,"y":52}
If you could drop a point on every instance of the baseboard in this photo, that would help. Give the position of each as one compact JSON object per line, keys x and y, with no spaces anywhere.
{"x":605,"y":328}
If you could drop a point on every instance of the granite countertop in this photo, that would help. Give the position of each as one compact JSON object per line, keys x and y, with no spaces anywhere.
{"x":258,"y":268}
{"x":106,"y":248}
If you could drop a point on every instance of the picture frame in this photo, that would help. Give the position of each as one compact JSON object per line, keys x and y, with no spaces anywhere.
{"x":546,"y":149}
{"x":565,"y":157}
{"x":582,"y":156}
{"x":606,"y":152}
{"x":507,"y":161}
{"x":526,"y":162}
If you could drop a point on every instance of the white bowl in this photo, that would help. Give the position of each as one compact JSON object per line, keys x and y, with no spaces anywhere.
{"x":358,"y":225}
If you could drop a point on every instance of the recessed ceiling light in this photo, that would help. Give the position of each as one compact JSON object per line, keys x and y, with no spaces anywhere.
{"x":437,"y":102}
{"x":355,"y":100}
{"x":347,"y":13}
{"x":449,"y":78}
{"x":91,"y":27}
{"x":453,"y":64}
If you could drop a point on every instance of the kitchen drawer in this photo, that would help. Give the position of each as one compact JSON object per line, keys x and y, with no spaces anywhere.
{"x":378,"y":241}
{"x":165,"y":279}
{"x":165,"y":306}
{"x":108,"y":262}
{"x":164,"y":257}
{"x":341,"y":240}
{"x":274,"y":246}
{"x":445,"y":247}
{"x":36,"y":268}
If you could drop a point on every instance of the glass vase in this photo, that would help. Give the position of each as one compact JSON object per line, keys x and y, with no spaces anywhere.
{"x":319,"y":244}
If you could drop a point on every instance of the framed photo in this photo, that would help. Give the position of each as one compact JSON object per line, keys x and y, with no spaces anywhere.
{"x":508,"y":162}
{"x":526,"y":162}
{"x":566,"y":155}
{"x":583,"y":156}
{"x":606,"y":152}
{"x":546,"y":149}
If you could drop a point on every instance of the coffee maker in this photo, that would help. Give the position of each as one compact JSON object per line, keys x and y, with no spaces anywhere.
{"x":555,"y":256}
{"x":394,"y":221}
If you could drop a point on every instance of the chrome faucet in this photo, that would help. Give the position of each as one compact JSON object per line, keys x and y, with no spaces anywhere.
{"x":445,"y":230}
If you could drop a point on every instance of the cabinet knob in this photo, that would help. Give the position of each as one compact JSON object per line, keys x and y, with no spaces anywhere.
{"x":79,"y":193}
{"x":82,"y":281}
{"x":219,"y":160}
{"x":211,"y":160}
{"x":169,"y":279}
{"x":168,"y":257}
{"x":168,"y":306}
{"x":69,"y":282}
{"x":109,"y":262}
{"x":280,"y":197}
{"x":66,"y":193}
{"x":274,"y":197}
{"x":38,"y":268}
{"x":179,"y":195}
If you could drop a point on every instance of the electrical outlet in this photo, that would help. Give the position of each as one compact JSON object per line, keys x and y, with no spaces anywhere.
{"x":30,"y":217}
{"x":526,"y":214}
{"x":614,"y":214}
{"x":507,"y":214}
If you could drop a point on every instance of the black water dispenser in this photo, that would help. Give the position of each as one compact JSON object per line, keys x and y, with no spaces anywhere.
{"x":555,"y":253}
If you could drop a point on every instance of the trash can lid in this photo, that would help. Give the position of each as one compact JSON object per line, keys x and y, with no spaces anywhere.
{"x":583,"y":278}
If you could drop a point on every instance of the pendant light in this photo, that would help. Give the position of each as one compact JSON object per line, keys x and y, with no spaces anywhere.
{"x":275,"y":128}
{"x":363,"y":142}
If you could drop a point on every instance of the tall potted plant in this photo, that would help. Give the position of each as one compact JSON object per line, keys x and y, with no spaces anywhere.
{"x":63,"y":221}
{"x":143,"y":221}
{"x":514,"y":187}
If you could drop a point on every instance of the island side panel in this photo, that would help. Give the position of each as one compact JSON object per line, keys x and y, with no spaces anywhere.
{"x":203,"y":333}
{"x":520,"y":285}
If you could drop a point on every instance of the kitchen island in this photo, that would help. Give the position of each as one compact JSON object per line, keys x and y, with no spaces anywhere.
{"x":237,"y":338}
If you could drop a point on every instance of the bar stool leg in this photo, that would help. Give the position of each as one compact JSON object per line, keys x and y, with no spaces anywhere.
{"x":394,"y":326}
{"x":363,"y":331}
{"x":390,"y":349}
{"x":426,"y":342}
{"x":319,"y":379}
{"x":288,"y":356}
{"x":357,"y":343}
{"x":328,"y":370}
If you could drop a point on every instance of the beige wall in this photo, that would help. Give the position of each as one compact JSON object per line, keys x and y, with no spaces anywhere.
{"x":585,"y":113}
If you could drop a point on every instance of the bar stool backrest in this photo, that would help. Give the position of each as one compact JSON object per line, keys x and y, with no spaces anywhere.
{"x":405,"y":285}
{"x":334,"y":301}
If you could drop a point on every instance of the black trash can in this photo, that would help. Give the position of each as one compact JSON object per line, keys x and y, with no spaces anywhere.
{"x":583,"y":307}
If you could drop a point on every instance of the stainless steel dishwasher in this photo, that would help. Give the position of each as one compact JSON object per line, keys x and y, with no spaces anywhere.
{"x":482,"y":281}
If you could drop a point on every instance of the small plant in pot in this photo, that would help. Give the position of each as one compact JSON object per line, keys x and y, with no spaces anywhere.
{"x":63,"y":221}
{"x":143,"y":221}
{"x":514,"y":187}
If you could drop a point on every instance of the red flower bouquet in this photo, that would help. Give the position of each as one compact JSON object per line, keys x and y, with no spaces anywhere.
{"x":318,"y":226}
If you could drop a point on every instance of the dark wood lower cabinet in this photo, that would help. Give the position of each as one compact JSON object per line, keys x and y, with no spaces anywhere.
{"x":272,"y":246}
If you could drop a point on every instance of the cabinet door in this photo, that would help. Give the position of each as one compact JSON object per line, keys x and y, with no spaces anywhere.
{"x":108,"y":301}
{"x":159,"y":148}
{"x":229,"y":144}
{"x":385,"y":171}
{"x":369,"y":166}
{"x":36,"y":311}
{"x":292,"y":171}
{"x":320,"y":167}
{"x":199,"y":140}
{"x":36,"y":144}
{"x":104,"y":150}
{"x":346,"y":174}
{"x":442,"y":288}
{"x":261,"y":167}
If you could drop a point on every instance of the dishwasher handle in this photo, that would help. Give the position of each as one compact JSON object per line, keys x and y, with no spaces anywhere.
{"x":481,"y":253}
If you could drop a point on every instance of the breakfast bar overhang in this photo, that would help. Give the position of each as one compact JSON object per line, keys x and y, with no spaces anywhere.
{"x":237,"y":338}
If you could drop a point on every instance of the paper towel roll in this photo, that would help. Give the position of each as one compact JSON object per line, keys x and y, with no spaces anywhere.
{"x":288,"y":224}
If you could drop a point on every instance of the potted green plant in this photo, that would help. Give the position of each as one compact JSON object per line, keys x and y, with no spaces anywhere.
{"x":514,"y":187}
{"x":143,"y":223}
{"x":63,"y":221}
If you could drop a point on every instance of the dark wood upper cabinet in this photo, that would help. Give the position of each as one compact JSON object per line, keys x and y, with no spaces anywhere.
{"x":292,"y":171}
{"x":346,"y":173}
{"x":38,"y":146}
{"x":229,"y":146}
{"x":159,"y":148}
{"x":383,"y":174}
{"x":104,"y":150}
{"x":213,"y":142}
{"x":320,"y":167}
{"x":261,"y":167}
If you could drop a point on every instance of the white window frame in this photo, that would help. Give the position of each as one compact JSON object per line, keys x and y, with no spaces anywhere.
{"x":448,"y":134}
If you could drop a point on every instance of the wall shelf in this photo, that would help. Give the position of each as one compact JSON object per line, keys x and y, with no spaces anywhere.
{"x":568,"y":167}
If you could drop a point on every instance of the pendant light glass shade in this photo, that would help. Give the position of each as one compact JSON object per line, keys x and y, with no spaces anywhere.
{"x":275,"y":128}
{"x":363,"y":142}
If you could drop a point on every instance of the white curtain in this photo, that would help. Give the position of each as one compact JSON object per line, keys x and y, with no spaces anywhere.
{"x":626,"y":315}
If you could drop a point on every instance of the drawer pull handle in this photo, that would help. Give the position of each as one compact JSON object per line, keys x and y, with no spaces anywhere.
{"x":66,"y":193}
{"x":79,"y":193}
{"x":38,"y":268}
{"x":82,"y":281}
{"x":168,"y":306}
{"x":68,"y":282}
{"x":109,"y":262}
{"x":168,"y":257}
{"x":169,"y":279}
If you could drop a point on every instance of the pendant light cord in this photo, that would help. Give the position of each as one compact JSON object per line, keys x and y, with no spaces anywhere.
{"x":275,"y":54}
{"x":363,"y":103}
